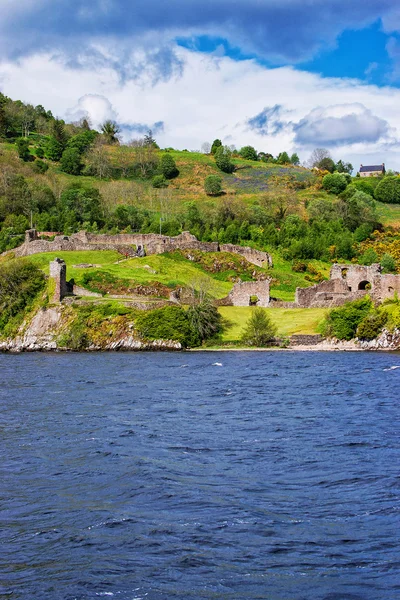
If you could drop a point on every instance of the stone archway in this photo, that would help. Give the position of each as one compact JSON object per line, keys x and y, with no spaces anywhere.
{"x":364,"y":285}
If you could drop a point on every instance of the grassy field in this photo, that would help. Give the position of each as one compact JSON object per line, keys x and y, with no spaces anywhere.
{"x":389,"y":214}
{"x":140,"y":270}
{"x":289,"y":321}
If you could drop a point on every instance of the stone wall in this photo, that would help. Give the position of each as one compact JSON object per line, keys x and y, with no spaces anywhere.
{"x":243,"y":292}
{"x":147,"y":243}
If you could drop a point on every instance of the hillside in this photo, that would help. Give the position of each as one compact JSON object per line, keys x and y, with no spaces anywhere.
{"x":62,"y":178}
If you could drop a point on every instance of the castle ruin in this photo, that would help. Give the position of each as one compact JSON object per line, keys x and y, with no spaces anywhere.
{"x":347,"y":283}
{"x":135,"y":245}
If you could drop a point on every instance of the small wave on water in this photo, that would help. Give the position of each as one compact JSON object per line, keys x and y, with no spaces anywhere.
{"x":275,"y":477}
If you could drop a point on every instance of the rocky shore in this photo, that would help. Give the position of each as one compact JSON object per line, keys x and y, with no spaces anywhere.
{"x":42,"y":332}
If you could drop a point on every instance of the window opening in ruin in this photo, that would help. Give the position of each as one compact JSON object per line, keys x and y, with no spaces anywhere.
{"x":349,"y":288}
{"x":390,"y":290}
{"x":344,"y":273}
{"x":364,"y":285}
{"x":253,"y":300}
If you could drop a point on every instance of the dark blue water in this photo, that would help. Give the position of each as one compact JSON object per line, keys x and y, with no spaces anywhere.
{"x":203,"y":475}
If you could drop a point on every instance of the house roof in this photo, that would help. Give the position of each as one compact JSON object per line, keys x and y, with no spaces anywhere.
{"x":368,"y":169}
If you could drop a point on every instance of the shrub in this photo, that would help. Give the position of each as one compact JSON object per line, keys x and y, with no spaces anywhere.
{"x":39,"y":166}
{"x":334,"y":183}
{"x":169,"y":323}
{"x":40,"y":152}
{"x":23,"y":149}
{"x":369,"y":257}
{"x":71,"y":162}
{"x":215,"y":145}
{"x":388,"y":263}
{"x":223,"y":159}
{"x":388,"y":190}
{"x":53,"y":150}
{"x":249,"y":153}
{"x":159,"y":181}
{"x":205,"y":320}
{"x":213,"y":185}
{"x":20,"y":283}
{"x":342,"y":322}
{"x":372,"y":325}
{"x":259,"y":330}
{"x":168,"y":166}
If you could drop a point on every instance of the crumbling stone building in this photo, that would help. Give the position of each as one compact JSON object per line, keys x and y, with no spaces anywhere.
{"x":346,"y":283}
{"x":250,"y":293}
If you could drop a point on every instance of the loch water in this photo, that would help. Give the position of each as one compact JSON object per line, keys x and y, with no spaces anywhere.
{"x":234,"y":475}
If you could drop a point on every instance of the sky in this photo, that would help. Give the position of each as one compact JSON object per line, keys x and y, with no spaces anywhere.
{"x":279,"y":75}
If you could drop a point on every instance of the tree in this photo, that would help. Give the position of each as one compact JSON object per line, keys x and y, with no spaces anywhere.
{"x":334,"y":183}
{"x":223,"y":159}
{"x":343,"y":167}
{"x":294,"y":159}
{"x":205,"y":319}
{"x":265,"y":157}
{"x":215,"y":145}
{"x":97,"y":161}
{"x":53,"y":149}
{"x":23,"y":149}
{"x":388,"y":190}
{"x":317,"y":156}
{"x":82,"y":141}
{"x":148,"y":139}
{"x":71,"y":161}
{"x":110,"y":130}
{"x":168,"y":166}
{"x":283,"y":158}
{"x":3,"y":119}
{"x":206,"y":148}
{"x":326,"y":164}
{"x":259,"y":330}
{"x":213,"y":185}
{"x":145,"y":158}
{"x":58,"y":132}
{"x":248,"y":153}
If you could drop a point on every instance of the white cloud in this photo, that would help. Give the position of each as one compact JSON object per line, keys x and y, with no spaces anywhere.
{"x":215,"y":97}
{"x":97,"y":107}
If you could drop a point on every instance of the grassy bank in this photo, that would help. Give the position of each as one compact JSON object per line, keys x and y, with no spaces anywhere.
{"x":289,"y":321}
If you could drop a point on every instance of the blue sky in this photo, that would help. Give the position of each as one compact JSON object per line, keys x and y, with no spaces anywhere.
{"x":278,"y":74}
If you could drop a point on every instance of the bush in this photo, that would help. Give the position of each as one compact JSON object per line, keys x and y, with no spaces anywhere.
{"x":40,"y":152}
{"x":223,"y":159}
{"x":71,"y":162}
{"x":168,"y":167}
{"x":205,"y":320}
{"x":388,"y":190}
{"x":372,"y":325}
{"x":388,"y":263}
{"x":213,"y":185}
{"x":23,"y":149}
{"x":53,"y":150}
{"x":159,"y":181}
{"x":369,"y":257}
{"x":20,"y":283}
{"x":248,"y":153}
{"x":169,"y":323}
{"x":342,"y":322}
{"x":259,"y":330}
{"x":39,"y":166}
{"x":215,"y":145}
{"x":334,"y":183}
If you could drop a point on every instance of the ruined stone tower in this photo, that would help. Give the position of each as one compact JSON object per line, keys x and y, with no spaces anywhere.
{"x":58,"y":271}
